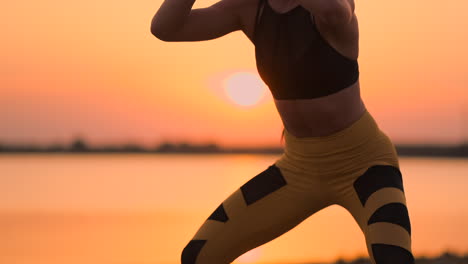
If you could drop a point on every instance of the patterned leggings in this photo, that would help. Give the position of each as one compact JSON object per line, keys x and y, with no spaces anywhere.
{"x":356,"y":168}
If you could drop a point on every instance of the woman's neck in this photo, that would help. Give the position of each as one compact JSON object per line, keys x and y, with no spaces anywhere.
{"x":283,"y":6}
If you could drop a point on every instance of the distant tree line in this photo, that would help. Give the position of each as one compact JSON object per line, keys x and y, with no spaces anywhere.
{"x":80,"y":146}
{"x":445,"y":258}
{"x":460,"y":150}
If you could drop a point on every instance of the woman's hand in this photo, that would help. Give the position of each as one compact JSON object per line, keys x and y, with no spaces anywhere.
{"x":176,"y":21}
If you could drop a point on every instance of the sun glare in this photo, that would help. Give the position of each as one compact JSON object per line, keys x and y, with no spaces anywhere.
{"x":244,"y":88}
{"x":249,"y":257}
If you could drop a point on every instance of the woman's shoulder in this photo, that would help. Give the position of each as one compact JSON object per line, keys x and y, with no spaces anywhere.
{"x":247,"y":10}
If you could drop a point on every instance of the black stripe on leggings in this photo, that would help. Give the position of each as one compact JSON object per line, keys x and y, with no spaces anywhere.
{"x":376,"y":178}
{"x":263,"y":184}
{"x":390,"y":254}
{"x":191,"y":251}
{"x":395,"y":213}
{"x":219,"y":214}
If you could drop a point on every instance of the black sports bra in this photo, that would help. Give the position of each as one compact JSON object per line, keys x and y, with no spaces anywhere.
{"x":294,"y":60}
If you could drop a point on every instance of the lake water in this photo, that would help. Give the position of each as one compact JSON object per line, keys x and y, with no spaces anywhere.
{"x":144,"y":209}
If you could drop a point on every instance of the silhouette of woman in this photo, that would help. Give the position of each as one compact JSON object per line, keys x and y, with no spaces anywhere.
{"x":334,"y":152}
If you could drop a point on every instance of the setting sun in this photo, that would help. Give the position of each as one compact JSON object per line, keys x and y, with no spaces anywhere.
{"x":244,"y":88}
{"x":249,"y":257}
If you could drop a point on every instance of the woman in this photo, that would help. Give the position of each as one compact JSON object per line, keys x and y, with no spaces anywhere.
{"x":306,"y":52}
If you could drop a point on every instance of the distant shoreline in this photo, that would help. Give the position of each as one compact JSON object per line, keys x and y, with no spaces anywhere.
{"x":79,"y":146}
{"x":445,"y":258}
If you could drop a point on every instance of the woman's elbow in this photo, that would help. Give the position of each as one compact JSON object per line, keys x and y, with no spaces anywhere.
{"x":158,"y":32}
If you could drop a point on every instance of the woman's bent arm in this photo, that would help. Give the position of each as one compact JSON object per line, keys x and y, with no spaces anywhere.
{"x":176,"y":21}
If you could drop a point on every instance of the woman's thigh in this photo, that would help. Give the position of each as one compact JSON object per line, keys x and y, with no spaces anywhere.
{"x":267,"y":206}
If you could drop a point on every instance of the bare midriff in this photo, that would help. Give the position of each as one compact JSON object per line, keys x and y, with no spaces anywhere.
{"x":321,"y":116}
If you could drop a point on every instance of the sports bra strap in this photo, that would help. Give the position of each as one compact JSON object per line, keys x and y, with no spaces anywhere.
{"x":257,"y":16}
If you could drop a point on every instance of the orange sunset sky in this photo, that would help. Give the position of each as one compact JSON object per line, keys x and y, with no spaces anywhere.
{"x":92,"y":69}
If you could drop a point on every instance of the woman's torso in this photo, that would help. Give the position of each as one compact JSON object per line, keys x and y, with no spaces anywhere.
{"x":323,"y":115}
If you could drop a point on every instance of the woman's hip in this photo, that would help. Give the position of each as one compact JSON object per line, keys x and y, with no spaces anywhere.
{"x":359,"y":145}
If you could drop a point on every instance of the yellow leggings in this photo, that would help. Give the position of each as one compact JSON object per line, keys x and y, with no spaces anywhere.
{"x":356,"y":168}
